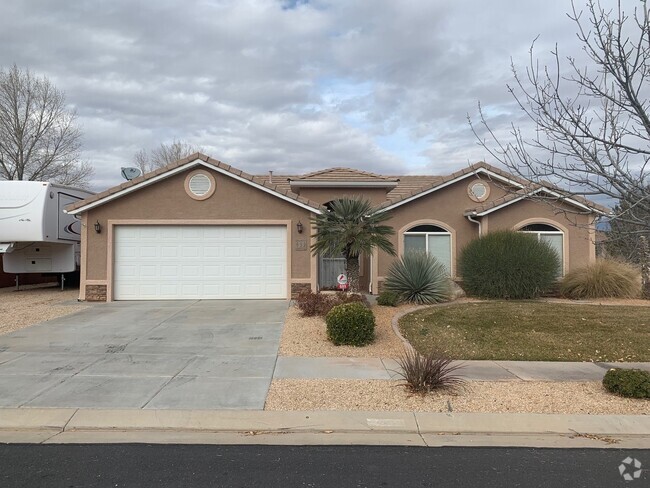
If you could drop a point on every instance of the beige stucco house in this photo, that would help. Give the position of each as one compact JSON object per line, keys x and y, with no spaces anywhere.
{"x":199,"y":228}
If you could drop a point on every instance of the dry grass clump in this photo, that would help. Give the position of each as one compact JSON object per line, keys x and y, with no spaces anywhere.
{"x":606,"y":278}
{"x":428,"y":372}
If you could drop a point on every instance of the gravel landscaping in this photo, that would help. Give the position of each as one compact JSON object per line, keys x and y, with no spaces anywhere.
{"x":480,"y":397}
{"x":20,"y":309}
{"x":307,"y":336}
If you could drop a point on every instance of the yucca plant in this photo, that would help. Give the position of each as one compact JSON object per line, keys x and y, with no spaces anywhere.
{"x":419,"y":278}
{"x":425,"y":373}
{"x":606,"y":278}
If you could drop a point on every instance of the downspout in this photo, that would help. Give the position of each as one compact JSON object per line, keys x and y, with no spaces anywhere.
{"x":477,"y":222}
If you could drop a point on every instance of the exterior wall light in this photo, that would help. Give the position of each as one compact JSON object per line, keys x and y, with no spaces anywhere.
{"x":299,"y":227}
{"x":98,"y":227}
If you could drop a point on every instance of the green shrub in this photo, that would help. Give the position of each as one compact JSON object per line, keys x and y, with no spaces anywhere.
{"x":606,"y":278}
{"x":508,"y":264}
{"x":387,"y":298}
{"x":632,"y":383}
{"x":350,"y":324}
{"x":424,"y":373}
{"x":418,"y":278}
{"x":311,"y":304}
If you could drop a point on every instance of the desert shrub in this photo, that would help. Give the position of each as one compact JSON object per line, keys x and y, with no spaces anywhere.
{"x":418,"y":277}
{"x":388,"y":298}
{"x":351,"y":324}
{"x":424,"y":373}
{"x":633,"y":383}
{"x":341,"y":298}
{"x":508,"y":264}
{"x":606,"y":278}
{"x":311,"y":304}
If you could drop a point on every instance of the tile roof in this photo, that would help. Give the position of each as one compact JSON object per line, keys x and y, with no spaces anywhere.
{"x":404,"y":188}
{"x":344,"y":174}
{"x":181,"y":162}
{"x":528,"y":192}
{"x":431,"y":182}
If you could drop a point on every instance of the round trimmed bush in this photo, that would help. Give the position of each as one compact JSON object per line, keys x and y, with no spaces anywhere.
{"x":508,"y":264}
{"x":606,"y":278}
{"x":418,"y":277}
{"x":387,"y":299}
{"x":632,"y":383}
{"x":351,"y":324}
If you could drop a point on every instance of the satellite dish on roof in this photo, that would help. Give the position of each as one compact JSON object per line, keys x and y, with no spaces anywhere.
{"x":130,"y":173}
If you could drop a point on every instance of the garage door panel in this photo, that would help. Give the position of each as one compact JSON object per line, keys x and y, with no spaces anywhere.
{"x":195,"y":262}
{"x":275,"y":271}
{"x":232,"y":271}
{"x":254,"y":271}
{"x":168,"y":251}
{"x":211,"y":251}
{"x":190,"y":271}
{"x":148,"y":271}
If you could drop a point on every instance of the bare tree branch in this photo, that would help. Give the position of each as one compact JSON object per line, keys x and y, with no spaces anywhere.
{"x":163,"y":155}
{"x":592,"y":125}
{"x":38,"y":136}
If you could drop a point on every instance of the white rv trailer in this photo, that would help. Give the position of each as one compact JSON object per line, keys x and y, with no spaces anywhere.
{"x":36,"y":235}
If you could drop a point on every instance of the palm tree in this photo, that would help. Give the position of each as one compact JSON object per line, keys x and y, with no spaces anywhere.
{"x":351,"y":227}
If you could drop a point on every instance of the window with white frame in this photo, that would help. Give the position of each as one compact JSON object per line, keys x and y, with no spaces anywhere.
{"x":551,"y":235}
{"x":431,"y":239}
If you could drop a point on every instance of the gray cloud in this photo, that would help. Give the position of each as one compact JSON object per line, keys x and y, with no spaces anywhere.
{"x":289,"y":86}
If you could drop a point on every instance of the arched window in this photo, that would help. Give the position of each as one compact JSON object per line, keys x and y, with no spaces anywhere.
{"x":431,"y":239}
{"x":549,"y":234}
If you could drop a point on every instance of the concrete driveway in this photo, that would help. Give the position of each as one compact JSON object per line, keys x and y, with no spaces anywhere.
{"x":166,"y":354}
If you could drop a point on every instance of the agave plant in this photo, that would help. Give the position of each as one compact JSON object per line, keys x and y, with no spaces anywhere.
{"x":419,"y":278}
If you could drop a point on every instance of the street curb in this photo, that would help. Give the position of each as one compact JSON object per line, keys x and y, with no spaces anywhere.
{"x":213,"y":421}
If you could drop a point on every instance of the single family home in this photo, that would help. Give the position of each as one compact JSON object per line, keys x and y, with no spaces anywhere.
{"x":202,"y":229}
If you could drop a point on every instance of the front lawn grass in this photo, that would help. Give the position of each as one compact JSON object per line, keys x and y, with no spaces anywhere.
{"x":532,"y":331}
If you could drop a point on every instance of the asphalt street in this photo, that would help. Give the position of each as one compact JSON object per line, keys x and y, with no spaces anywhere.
{"x":143,"y":465}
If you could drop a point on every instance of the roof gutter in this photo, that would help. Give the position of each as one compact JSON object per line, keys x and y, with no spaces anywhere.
{"x":474,"y":221}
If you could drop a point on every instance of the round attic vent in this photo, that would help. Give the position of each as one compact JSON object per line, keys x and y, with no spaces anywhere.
{"x":200,"y":185}
{"x":478,"y":191}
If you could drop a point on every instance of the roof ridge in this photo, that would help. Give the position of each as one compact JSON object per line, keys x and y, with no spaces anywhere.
{"x":335,"y":169}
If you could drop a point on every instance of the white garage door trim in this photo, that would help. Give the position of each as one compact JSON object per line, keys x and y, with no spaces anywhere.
{"x":217,"y":286}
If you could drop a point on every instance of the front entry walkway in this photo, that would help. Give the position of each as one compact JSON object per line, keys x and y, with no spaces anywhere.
{"x":163,"y":355}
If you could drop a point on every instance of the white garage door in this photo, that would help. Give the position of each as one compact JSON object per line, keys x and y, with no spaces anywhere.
{"x":154,"y":262}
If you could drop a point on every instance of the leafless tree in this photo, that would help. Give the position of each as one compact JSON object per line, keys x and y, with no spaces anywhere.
{"x":163,"y":155}
{"x":592,"y":125}
{"x":39,"y":140}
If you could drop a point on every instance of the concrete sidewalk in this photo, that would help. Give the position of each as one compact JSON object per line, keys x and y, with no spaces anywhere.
{"x":386,"y":369}
{"x":322,"y":427}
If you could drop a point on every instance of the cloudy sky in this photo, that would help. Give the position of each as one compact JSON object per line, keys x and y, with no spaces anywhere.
{"x":291,"y":86}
